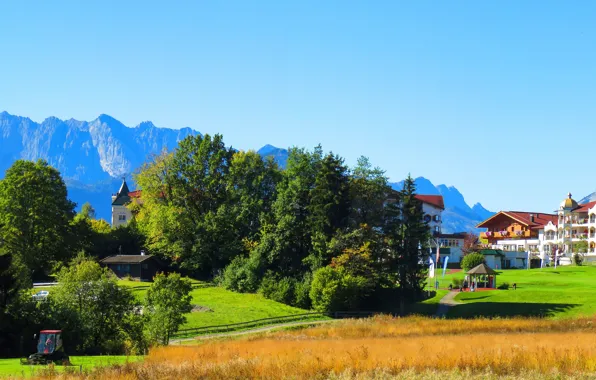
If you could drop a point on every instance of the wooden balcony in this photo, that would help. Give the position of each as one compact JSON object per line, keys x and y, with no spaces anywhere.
{"x":506,"y":235}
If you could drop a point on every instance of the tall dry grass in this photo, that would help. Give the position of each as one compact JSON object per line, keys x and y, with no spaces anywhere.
{"x":383,"y":348}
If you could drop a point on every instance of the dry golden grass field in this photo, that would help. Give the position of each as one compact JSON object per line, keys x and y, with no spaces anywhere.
{"x":384,"y":347}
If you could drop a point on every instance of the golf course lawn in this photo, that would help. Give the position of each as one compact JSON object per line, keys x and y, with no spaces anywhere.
{"x":13,"y":367}
{"x":567,"y":291}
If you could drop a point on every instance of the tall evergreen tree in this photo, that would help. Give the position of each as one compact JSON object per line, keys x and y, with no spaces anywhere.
{"x":412,"y":235}
{"x":329,"y":207}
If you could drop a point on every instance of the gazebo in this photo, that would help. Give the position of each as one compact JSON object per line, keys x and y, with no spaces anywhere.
{"x":483,"y":274}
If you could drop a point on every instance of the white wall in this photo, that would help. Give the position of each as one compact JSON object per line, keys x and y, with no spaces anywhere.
{"x":433,"y":212}
{"x":117,"y":213}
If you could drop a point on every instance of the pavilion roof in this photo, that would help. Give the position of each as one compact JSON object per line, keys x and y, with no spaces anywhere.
{"x":482,"y":269}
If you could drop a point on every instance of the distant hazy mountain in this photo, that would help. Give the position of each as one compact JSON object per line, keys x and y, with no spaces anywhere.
{"x":588,"y":198}
{"x":279,"y":155}
{"x":458,"y":215}
{"x":84,"y":151}
{"x":93,"y":156}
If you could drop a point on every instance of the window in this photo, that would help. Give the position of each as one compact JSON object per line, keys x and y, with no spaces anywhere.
{"x":121,"y":217}
{"x":145,"y":266}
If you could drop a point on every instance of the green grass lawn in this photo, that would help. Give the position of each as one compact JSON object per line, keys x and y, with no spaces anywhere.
{"x":13,"y":367}
{"x":227,"y":306}
{"x":567,"y":291}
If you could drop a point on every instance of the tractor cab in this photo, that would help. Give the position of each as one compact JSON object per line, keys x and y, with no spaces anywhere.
{"x":49,"y":349}
{"x":49,"y":341}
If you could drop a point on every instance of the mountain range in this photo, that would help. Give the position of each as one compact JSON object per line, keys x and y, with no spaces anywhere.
{"x":458,"y":215}
{"x":588,"y":198}
{"x":94,"y":156}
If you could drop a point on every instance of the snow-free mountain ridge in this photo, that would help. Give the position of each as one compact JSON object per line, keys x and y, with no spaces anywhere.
{"x":458,"y":215}
{"x":93,"y":156}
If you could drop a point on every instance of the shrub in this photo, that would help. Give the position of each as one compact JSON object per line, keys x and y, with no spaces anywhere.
{"x":301,"y":292}
{"x":334,"y":290}
{"x":241,"y":275}
{"x":472,"y":260}
{"x":457,"y":283}
{"x":278,"y":289}
{"x":578,"y":259}
{"x":503,"y":286}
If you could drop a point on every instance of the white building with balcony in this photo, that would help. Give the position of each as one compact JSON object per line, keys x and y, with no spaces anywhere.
{"x":574,"y":232}
{"x":571,"y":230}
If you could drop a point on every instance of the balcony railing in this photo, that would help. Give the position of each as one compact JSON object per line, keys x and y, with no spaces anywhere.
{"x":505,"y":234}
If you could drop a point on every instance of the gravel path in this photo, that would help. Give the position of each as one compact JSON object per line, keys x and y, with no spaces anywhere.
{"x":445,"y":303}
{"x":251,"y":331}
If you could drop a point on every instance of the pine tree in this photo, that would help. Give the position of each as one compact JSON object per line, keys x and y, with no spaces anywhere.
{"x":412,"y":236}
{"x":329,"y":207}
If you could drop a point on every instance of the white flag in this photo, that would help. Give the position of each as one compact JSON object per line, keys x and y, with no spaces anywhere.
{"x":431,"y":268}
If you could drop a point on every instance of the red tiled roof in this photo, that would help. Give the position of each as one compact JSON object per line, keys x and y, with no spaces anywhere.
{"x":135,"y":194}
{"x":433,"y":200}
{"x":585,"y":207}
{"x":540,"y":219}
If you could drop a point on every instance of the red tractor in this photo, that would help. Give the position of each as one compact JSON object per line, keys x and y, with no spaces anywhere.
{"x":49,"y":349}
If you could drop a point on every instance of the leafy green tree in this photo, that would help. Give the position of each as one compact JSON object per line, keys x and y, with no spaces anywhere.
{"x":167,"y":301}
{"x":35,"y":216}
{"x":251,"y":185}
{"x":198,"y":209}
{"x":335,"y":289}
{"x":369,"y":192}
{"x":472,"y":260}
{"x":10,"y":282}
{"x":243,"y":274}
{"x":289,"y":241}
{"x":92,"y":307}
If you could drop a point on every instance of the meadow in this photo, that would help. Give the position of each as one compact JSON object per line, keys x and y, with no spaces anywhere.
{"x":220,"y":306}
{"x":382,"y":347}
{"x":516,"y":346}
{"x":13,"y":367}
{"x":564,"y":292}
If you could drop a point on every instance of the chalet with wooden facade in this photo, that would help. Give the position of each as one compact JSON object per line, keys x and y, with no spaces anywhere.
{"x":547,"y":237}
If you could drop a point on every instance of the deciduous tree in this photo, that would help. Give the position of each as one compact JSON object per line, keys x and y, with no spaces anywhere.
{"x":91,"y":307}
{"x":167,"y":301}
{"x":35,"y":216}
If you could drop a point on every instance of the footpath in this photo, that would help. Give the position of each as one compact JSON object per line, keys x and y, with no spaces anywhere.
{"x":251,"y":331}
{"x":445,"y":303}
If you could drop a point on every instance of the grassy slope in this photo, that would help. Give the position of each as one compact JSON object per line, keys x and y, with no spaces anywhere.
{"x":227,"y":306}
{"x":13,"y":367}
{"x":559,"y":293}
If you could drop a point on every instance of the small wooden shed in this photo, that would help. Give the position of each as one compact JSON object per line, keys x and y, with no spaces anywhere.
{"x":139,"y":267}
{"x":484,"y":275}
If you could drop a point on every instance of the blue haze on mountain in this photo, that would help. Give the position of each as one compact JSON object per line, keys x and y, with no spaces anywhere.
{"x":588,"y":198}
{"x":279,"y":155}
{"x":94,"y":156}
{"x":458,"y":215}
{"x":91,"y":156}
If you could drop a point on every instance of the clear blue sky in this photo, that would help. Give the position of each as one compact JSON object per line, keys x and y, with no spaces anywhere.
{"x":494,"y":97}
